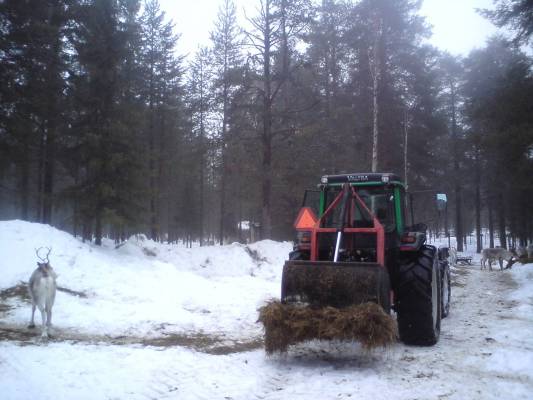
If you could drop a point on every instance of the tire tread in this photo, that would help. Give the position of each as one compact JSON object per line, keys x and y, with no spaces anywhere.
{"x":414,"y":299}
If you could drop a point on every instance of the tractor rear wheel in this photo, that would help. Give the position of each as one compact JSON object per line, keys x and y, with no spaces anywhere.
{"x":446,"y":290}
{"x":418,"y":294}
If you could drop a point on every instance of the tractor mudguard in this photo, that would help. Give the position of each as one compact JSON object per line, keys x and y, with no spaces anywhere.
{"x":335,"y":284}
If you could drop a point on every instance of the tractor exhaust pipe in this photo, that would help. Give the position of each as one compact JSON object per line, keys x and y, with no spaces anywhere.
{"x":342,"y":222}
{"x":337,"y":245}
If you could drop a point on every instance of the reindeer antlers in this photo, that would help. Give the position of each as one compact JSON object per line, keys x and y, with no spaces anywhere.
{"x":45,"y":259}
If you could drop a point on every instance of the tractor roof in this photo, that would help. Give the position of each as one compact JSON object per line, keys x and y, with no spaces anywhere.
{"x":359,"y":178}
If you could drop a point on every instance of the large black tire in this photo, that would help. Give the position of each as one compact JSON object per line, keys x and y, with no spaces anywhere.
{"x":418,"y":298}
{"x":446,"y":289}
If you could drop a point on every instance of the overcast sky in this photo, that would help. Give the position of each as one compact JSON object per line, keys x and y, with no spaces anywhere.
{"x":457,"y":27}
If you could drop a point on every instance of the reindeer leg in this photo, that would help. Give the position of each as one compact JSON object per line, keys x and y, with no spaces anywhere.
{"x":32,"y":323}
{"x":44,"y":333}
{"x":48,"y":320}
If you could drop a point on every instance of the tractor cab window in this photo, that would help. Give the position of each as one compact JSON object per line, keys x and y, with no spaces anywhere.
{"x":379,"y":200}
{"x":312,"y":200}
{"x":333,"y":219}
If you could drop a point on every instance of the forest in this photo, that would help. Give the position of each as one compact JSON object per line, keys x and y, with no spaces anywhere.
{"x":107,"y":131}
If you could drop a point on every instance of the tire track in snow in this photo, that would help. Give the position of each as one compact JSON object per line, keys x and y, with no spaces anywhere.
{"x":460,"y":366}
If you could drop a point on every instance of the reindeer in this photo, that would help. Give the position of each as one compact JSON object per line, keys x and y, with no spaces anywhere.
{"x":499,"y":254}
{"x":42,"y":288}
{"x":521,"y":252}
{"x":525,"y":252}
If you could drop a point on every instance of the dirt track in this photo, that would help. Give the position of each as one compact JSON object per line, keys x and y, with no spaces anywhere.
{"x":476,"y":357}
{"x":23,"y":335}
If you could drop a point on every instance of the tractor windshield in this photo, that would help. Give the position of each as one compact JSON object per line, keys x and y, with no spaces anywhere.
{"x":378,"y":199}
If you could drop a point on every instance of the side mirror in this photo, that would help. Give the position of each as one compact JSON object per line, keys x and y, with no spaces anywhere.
{"x":442,"y":199}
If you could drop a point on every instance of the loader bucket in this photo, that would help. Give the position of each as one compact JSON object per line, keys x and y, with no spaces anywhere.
{"x":330,"y":301}
{"x":328,"y":284}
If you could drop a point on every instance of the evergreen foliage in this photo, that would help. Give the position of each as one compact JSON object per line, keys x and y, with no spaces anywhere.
{"x":106,"y":131}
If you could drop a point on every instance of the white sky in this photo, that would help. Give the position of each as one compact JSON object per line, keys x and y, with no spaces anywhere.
{"x":457,"y":27}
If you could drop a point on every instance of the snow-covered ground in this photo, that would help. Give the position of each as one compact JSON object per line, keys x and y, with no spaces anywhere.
{"x":164,"y":322}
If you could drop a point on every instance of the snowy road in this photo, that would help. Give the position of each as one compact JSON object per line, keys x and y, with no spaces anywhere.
{"x":485,"y":352}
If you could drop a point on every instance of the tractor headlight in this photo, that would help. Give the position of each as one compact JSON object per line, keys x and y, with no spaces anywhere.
{"x":385,"y":179}
{"x":324,"y":179}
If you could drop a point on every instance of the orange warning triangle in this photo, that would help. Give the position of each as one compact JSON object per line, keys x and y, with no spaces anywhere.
{"x":306,"y":219}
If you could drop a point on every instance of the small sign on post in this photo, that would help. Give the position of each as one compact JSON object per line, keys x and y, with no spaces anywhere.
{"x":442,"y":199}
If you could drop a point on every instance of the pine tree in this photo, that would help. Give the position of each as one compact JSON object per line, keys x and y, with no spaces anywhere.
{"x":270,"y":40}
{"x":200,"y":98}
{"x":107,"y":149}
{"x":226,"y":62}
{"x":516,"y":15}
{"x":496,"y":77}
{"x":161,"y":92}
{"x":452,"y":72}
{"x":34,"y":61}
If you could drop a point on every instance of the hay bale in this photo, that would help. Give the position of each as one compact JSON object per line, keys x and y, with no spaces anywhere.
{"x":287,"y":324}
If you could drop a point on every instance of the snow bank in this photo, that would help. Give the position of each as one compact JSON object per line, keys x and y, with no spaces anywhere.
{"x":516,"y":359}
{"x":523,"y":275}
{"x":143,"y":284}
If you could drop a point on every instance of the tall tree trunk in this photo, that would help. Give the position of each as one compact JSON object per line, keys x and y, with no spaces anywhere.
{"x":153,"y":188}
{"x":223,"y":173}
{"x":98,"y":227}
{"x":266,"y":224}
{"x":24,"y":182}
{"x":375,"y":130}
{"x":223,"y":167}
{"x":162,"y":185}
{"x":154,"y":233}
{"x":491,"y":222}
{"x":458,"y":216}
{"x":86,"y":229}
{"x":501,"y":220}
{"x":266,"y":217}
{"x":405,"y":143}
{"x":239,"y":203}
{"x":202,"y":181}
{"x":25,"y":185}
{"x":54,"y":82}
{"x":48,"y":175}
{"x":40,"y":178}
{"x":457,"y":185}
{"x":479,"y":235}
{"x":75,"y":205}
{"x":375,"y":70}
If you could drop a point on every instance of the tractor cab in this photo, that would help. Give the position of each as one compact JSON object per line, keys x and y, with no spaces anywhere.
{"x":360,"y":215}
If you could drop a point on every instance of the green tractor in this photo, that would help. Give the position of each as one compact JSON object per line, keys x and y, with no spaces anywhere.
{"x":353,"y":246}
